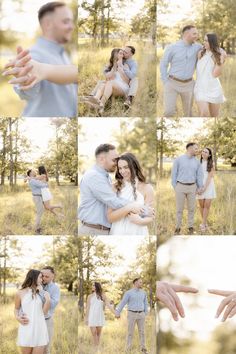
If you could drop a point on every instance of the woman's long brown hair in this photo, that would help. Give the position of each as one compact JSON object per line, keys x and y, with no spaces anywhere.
{"x":214,"y":47}
{"x":31,"y":280}
{"x":209,"y":160}
{"x":112,"y":58}
{"x":135,"y":170}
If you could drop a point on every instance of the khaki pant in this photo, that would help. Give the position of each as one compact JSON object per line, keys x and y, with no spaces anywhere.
{"x":134,"y":318}
{"x":38,"y":202}
{"x":90,"y":231}
{"x":172,"y":89}
{"x":49,"y":324}
{"x":133,"y":87}
{"x":183,"y":192}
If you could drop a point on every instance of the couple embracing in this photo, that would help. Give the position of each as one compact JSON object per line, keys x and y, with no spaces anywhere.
{"x":35,"y":303}
{"x":122,"y":208}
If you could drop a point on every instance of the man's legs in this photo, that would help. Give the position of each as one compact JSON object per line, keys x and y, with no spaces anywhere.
{"x":50,"y":334}
{"x":180,"y":195}
{"x":186,"y":94}
{"x":191,"y":203}
{"x":141,"y":329}
{"x":133,"y":88}
{"x":39,"y":210}
{"x":170,"y":98}
{"x":131,"y":325}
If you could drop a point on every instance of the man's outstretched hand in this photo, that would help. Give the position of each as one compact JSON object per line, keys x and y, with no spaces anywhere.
{"x":228,"y":304}
{"x":166,"y":293}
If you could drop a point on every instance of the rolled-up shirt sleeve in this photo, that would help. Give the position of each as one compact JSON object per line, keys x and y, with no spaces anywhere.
{"x":164,"y":63}
{"x":146,"y":304}
{"x":104,"y":193}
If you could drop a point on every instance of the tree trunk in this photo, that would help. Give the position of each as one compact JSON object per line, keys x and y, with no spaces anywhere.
{"x":16,"y":153}
{"x":4,"y":141}
{"x":11,"y":152}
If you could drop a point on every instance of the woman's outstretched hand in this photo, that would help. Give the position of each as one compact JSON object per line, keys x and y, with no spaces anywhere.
{"x":228,"y":304}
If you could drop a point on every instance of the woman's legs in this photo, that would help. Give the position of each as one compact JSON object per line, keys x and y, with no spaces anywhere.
{"x":99,"y":333}
{"x":207,"y":205}
{"x":203,"y":109}
{"x":214,"y":109}
{"x":38,"y":350}
{"x":201,"y":205}
{"x":111,"y":88}
{"x":26,"y":350}
{"x":95,"y":337}
{"x":52,"y":207}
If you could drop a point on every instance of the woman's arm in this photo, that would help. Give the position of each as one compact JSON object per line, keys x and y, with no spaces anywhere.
{"x":87,"y":309}
{"x":122,"y":73}
{"x":108,"y":304}
{"x":117,"y":214}
{"x":46,"y":305}
{"x":17,"y":306}
{"x":217,"y":71}
{"x":149,"y":201}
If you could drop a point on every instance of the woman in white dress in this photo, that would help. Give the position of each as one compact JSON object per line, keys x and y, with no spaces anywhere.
{"x":95,"y":318}
{"x":29,"y":312}
{"x":131,"y":185}
{"x":209,"y":192}
{"x":116,"y":84}
{"x":208,"y":91}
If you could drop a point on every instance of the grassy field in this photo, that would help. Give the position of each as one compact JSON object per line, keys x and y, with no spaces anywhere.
{"x":91,"y":70}
{"x":17,"y":211}
{"x":222,"y":220}
{"x":228,"y":81}
{"x":114,"y":337}
{"x":65,"y":327}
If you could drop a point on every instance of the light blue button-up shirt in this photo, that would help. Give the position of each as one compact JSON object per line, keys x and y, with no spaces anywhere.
{"x":179,"y":60}
{"x":47,"y":99}
{"x":54,"y":292}
{"x":136,"y":299}
{"x":36,"y":186}
{"x":187,"y":169}
{"x":132,"y":71}
{"x":96,"y":195}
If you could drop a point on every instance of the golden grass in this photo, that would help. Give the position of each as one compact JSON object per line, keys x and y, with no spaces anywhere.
{"x":222,"y":213}
{"x":17,"y":211}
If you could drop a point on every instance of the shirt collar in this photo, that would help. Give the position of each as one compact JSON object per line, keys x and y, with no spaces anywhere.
{"x":101,"y":170}
{"x":51,"y":45}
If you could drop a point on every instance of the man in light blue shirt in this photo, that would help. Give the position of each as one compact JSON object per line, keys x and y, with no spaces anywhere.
{"x":137,"y":304}
{"x":177,"y":68}
{"x":96,"y":194}
{"x":53,"y":289}
{"x":36,"y":187}
{"x":47,"y":99}
{"x":187,"y":180}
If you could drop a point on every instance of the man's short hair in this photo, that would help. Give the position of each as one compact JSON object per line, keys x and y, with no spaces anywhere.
{"x":136,"y":279}
{"x":104,"y":148}
{"x":131,"y":48}
{"x":49,"y":268}
{"x":49,"y":7}
{"x":187,"y":28}
{"x":29,"y":172}
{"x":190,"y":144}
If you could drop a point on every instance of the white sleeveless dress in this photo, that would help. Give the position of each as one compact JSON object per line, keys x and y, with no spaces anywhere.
{"x":96,"y":317}
{"x":210,"y":192}
{"x":207,"y":87}
{"x":35,"y":333}
{"x":46,"y":194}
{"x":124,"y":226}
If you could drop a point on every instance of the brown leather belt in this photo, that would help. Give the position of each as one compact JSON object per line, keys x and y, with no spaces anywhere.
{"x":136,"y":311}
{"x":97,"y":227}
{"x":186,"y":184}
{"x":176,"y":79}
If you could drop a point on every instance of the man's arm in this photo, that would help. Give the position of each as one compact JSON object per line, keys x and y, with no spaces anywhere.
{"x":174,"y":173}
{"x":199,"y":176}
{"x":104,"y":193}
{"x":146,"y":304}
{"x":37,"y":183}
{"x":123,"y":302}
{"x":54,"y":297}
{"x":131,"y":70}
{"x":166,"y":59}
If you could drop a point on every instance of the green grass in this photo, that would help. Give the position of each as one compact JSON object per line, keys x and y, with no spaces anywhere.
{"x":114,"y":333}
{"x":17,"y":211}
{"x":65,"y":327}
{"x":222,"y":219}
{"x":91,"y":70}
{"x":228,"y":81}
